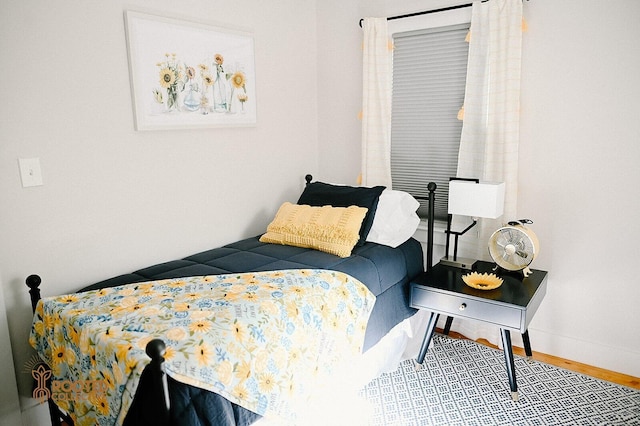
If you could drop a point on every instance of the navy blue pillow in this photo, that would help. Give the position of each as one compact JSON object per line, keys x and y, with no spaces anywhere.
{"x":324,"y":194}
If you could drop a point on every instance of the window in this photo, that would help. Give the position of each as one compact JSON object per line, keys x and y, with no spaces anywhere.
{"x":429,"y":74}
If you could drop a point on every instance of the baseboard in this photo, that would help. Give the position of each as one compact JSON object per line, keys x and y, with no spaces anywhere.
{"x":586,"y":352}
{"x":578,"y":367}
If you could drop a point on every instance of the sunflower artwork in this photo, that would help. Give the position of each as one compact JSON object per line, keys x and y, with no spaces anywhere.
{"x":189,"y":74}
{"x":210,"y":89}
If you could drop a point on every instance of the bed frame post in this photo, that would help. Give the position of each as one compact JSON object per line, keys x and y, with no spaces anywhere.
{"x":57,"y":416}
{"x":151,"y":402}
{"x":432,"y":198}
{"x":156,"y":350}
{"x":33,"y":282}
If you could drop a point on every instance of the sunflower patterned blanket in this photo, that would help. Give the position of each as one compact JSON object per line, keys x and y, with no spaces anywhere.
{"x":261,"y":340}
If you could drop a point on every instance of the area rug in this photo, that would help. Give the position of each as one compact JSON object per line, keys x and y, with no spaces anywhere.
{"x":465,"y":383}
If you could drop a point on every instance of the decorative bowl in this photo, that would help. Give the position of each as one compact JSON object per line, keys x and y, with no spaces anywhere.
{"x":482,"y":281}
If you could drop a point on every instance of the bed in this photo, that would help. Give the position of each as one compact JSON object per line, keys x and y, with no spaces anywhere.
{"x":283,"y":278}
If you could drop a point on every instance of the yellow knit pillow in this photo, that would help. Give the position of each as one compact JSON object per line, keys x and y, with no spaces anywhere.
{"x":330,"y":229}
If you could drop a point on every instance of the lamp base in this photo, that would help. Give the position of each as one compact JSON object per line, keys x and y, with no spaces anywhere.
{"x":460,"y":262}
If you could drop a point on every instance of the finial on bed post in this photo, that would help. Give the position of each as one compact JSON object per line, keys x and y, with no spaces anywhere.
{"x":308,"y":179}
{"x":432,"y":197}
{"x":33,"y":282}
{"x":156,"y":349}
{"x":151,"y":403}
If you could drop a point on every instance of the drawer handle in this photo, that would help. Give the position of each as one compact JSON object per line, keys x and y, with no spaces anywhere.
{"x":463,"y":307}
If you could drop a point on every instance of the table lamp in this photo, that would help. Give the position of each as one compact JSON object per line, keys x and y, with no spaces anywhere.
{"x":470,"y":197}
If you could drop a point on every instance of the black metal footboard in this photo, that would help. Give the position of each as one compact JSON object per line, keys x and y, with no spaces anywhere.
{"x":151,"y":403}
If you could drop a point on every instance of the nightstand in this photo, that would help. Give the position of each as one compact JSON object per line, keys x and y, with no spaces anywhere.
{"x":511,"y":306}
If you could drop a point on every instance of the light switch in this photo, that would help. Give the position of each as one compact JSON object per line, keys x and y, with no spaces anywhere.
{"x":30,"y":172}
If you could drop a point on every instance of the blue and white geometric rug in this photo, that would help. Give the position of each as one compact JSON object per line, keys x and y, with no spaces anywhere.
{"x":465,"y":383}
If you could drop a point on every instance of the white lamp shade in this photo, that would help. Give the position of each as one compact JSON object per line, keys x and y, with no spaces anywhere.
{"x":484,"y":199}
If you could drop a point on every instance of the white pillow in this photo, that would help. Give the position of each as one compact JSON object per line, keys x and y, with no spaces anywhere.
{"x":396,"y":219}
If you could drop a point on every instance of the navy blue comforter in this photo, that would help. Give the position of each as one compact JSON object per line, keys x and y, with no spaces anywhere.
{"x":384,"y":270}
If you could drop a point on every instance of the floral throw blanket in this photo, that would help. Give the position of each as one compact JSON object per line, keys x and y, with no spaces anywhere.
{"x":261,"y":340}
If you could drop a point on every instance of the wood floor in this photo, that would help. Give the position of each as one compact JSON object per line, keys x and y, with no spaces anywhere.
{"x":587,"y":370}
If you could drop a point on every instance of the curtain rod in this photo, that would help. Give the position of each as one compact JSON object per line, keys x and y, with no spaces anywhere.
{"x":426,"y":12}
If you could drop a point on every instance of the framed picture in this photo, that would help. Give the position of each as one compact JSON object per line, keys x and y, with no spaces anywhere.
{"x":188,"y":74}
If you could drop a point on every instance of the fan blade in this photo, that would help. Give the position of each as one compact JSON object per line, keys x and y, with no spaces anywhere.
{"x":502,"y":241}
{"x":513,"y":259}
{"x":509,"y":237}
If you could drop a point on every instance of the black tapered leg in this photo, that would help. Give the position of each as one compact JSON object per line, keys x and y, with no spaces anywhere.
{"x":508,"y":357}
{"x":447,"y":326}
{"x":527,"y":344}
{"x":428,"y":334}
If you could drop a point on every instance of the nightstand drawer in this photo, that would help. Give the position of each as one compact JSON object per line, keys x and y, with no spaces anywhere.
{"x":459,"y":306}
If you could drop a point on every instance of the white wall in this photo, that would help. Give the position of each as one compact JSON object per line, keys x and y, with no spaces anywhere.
{"x":579,"y":150}
{"x":580,"y":133}
{"x":339,"y":89}
{"x":115,"y":199}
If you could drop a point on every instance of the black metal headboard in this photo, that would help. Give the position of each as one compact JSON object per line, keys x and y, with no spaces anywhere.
{"x":431,"y":197}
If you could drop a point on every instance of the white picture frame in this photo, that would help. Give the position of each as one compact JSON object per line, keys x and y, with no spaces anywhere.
{"x":188,"y":74}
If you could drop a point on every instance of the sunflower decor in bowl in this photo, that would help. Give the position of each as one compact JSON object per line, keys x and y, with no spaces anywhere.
{"x":482,"y":281}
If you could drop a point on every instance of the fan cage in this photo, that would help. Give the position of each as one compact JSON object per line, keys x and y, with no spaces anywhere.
{"x":513,"y":247}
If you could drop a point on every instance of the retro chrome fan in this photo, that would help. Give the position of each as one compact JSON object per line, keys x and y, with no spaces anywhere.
{"x":513,"y":247}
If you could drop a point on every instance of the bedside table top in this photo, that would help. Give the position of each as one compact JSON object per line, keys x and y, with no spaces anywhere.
{"x":515,"y":289}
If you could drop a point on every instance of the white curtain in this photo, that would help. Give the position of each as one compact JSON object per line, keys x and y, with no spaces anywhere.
{"x":376,"y":103}
{"x":491,"y":127}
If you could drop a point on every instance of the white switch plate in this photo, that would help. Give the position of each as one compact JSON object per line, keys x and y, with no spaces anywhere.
{"x":30,"y":172}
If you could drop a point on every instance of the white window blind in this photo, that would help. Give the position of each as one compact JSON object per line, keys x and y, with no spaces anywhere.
{"x":429,"y":74}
